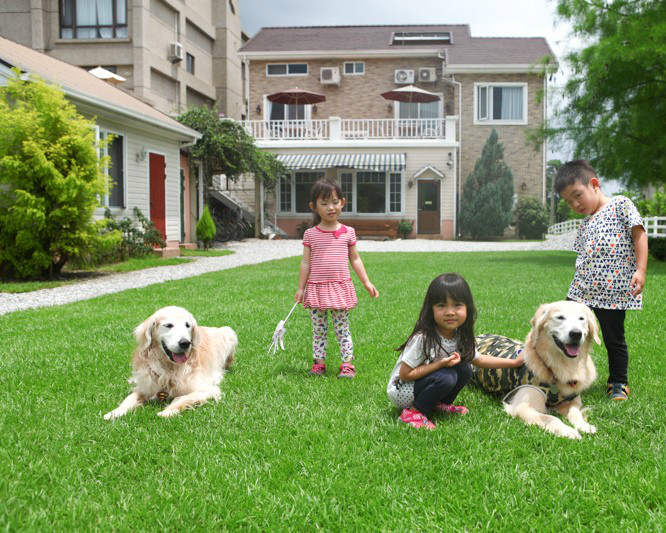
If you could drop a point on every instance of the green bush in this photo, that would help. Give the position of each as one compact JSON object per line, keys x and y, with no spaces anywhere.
{"x":531,"y":218}
{"x":50,"y":180}
{"x":206,"y":228}
{"x":657,"y":247}
{"x":485,"y":206}
{"x":405,"y":228}
{"x":564,"y":212}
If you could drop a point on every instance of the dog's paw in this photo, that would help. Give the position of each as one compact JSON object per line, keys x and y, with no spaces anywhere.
{"x":113,"y":415}
{"x":167,"y":413}
{"x":566,"y":431}
{"x":587,"y":428}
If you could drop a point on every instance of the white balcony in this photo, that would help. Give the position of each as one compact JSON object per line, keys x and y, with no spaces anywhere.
{"x":340,"y":130}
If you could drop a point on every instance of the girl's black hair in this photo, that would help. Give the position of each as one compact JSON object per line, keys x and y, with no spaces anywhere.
{"x":447,"y":285}
{"x":323,"y":188}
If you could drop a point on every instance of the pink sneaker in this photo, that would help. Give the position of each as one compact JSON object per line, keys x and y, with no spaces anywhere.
{"x":347,"y":370}
{"x":318,"y":369}
{"x":414,"y":418}
{"x":450,"y":408}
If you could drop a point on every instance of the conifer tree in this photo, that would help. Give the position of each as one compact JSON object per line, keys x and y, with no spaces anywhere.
{"x":485,"y":207}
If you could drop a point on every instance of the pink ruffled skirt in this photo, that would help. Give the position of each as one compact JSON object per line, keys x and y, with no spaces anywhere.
{"x":330,"y":295}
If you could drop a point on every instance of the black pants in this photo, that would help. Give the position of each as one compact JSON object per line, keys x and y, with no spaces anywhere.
{"x":612,"y":330}
{"x":442,"y":385}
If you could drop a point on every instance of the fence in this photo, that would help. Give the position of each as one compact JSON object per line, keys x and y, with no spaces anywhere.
{"x":654,"y":226}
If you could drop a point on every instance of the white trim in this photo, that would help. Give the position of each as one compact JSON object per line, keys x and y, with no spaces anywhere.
{"x":104,"y":131}
{"x":428,"y":168}
{"x":522,"y":122}
{"x":359,"y":143}
{"x":396,"y":107}
{"x":508,"y":68}
{"x":337,"y":54}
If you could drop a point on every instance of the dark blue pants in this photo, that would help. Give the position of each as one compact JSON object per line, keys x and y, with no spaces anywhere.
{"x":442,"y":385}
{"x":611,"y":322}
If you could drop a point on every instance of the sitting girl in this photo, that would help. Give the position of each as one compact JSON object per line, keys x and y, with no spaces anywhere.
{"x":434,"y":364}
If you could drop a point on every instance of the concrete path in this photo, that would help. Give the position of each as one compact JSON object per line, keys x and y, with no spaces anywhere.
{"x":248,"y":252}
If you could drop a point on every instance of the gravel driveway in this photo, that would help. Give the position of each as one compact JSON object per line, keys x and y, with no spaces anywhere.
{"x":248,"y":252}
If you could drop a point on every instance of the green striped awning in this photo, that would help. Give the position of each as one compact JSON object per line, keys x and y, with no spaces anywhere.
{"x":389,"y":162}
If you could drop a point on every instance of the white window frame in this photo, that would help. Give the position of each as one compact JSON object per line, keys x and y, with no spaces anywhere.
{"x":387,"y":212}
{"x":292,"y":191}
{"x":396,"y":108}
{"x":268,"y":108}
{"x":287,"y":73}
{"x":479,"y":121}
{"x":103,"y":132}
{"x":353,"y":72}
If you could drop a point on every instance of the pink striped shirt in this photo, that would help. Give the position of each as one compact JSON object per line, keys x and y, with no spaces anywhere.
{"x":329,"y":283}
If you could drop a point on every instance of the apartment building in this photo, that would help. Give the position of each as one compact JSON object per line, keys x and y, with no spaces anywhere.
{"x":394,"y":160}
{"x":172,"y":53}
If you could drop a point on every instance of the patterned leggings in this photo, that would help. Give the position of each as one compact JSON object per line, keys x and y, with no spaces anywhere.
{"x":342,"y":333}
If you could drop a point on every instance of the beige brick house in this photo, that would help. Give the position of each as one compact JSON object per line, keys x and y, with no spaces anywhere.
{"x":394,"y":161}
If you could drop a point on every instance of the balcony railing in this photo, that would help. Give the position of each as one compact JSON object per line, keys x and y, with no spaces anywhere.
{"x":338,"y":129}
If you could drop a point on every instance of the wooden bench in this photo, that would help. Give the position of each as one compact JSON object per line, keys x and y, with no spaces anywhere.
{"x":383,"y":229}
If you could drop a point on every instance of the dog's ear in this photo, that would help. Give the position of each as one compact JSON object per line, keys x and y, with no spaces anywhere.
{"x":144,"y":333}
{"x":540,"y":317}
{"x":593,"y":328}
{"x":196,"y":338}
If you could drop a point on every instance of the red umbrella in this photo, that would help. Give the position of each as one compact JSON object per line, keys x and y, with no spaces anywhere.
{"x":410,"y":94}
{"x":296,"y":96}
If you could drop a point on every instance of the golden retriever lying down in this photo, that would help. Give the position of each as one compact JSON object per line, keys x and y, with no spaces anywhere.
{"x":557,"y":368}
{"x":179,"y":360}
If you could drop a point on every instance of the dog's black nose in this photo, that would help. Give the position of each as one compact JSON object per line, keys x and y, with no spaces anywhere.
{"x":184,"y":344}
{"x":575,"y":334}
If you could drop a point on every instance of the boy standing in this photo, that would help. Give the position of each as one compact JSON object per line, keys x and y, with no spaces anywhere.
{"x":612,"y":258}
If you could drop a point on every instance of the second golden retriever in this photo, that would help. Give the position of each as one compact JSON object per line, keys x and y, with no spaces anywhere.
{"x":176,"y":359}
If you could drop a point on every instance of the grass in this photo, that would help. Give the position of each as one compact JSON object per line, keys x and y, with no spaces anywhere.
{"x":204,"y":253}
{"x":281,"y":452}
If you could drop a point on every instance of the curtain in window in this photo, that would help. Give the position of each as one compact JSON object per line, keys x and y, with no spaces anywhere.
{"x":94,"y":13}
{"x":121,"y":18}
{"x":429,"y":110}
{"x":508,"y":103}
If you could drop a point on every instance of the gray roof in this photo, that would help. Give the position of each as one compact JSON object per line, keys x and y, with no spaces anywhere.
{"x":81,"y":85}
{"x":463,"y":50}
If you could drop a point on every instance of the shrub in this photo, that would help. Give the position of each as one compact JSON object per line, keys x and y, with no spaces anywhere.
{"x":485,"y":207}
{"x":531,"y":218}
{"x":405,"y":228}
{"x":50,"y":180}
{"x":206,"y":228}
{"x":657,"y":247}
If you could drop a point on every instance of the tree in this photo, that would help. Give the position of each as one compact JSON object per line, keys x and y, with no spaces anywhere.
{"x":226,"y":148}
{"x":50,"y":179}
{"x":206,"y":228}
{"x":614,"y":104}
{"x":531,"y":218}
{"x":485,"y":206}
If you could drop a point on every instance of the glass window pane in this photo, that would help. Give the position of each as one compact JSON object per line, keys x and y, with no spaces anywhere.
{"x":285,"y":196}
{"x":360,"y":68}
{"x":303,"y":182}
{"x":483,"y":103}
{"x":371,"y":192}
{"x":298,"y":68}
{"x":347,"y":184}
{"x":276,"y":70}
{"x":349,"y":68}
{"x":116,"y":172}
{"x":395,"y":201}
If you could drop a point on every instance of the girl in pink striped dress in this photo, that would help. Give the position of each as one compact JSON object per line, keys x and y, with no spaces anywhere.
{"x":324,"y":283}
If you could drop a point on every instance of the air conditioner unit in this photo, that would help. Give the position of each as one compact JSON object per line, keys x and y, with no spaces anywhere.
{"x":404,"y":76}
{"x":427,"y":74}
{"x":175,"y":52}
{"x":329,"y":75}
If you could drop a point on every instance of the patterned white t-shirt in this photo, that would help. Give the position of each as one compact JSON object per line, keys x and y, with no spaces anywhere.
{"x":606,"y":259}
{"x":401,"y":393}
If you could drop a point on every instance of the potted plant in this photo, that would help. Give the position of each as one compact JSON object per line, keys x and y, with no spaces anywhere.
{"x":405,"y":228}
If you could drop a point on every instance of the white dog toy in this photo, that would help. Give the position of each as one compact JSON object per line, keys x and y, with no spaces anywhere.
{"x":278,"y":334}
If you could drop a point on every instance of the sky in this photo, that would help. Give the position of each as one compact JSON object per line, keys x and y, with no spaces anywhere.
{"x":486,"y":18}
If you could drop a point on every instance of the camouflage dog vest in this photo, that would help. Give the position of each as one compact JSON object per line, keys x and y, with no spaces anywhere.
{"x":505,"y":381}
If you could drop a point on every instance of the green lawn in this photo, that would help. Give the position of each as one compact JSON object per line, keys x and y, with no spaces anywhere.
{"x":282,"y":452}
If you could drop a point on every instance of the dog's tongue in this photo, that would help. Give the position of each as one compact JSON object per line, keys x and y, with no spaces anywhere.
{"x":572,"y":349}
{"x":179,"y":358}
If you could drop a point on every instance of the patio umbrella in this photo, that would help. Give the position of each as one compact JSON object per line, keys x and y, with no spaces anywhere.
{"x":296,"y":96}
{"x":106,"y":75}
{"x":410,"y":94}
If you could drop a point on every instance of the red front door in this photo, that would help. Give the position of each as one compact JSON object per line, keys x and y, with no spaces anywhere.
{"x":428,"y":205}
{"x":157,"y":187}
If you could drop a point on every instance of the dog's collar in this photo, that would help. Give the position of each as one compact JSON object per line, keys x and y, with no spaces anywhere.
{"x":162,"y":396}
{"x":572,"y":383}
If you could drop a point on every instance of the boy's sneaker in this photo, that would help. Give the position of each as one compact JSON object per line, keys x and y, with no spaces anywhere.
{"x":414,"y":418}
{"x":347,"y":370}
{"x":318,"y":369}
{"x":450,"y":408}
{"x":618,"y":391}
